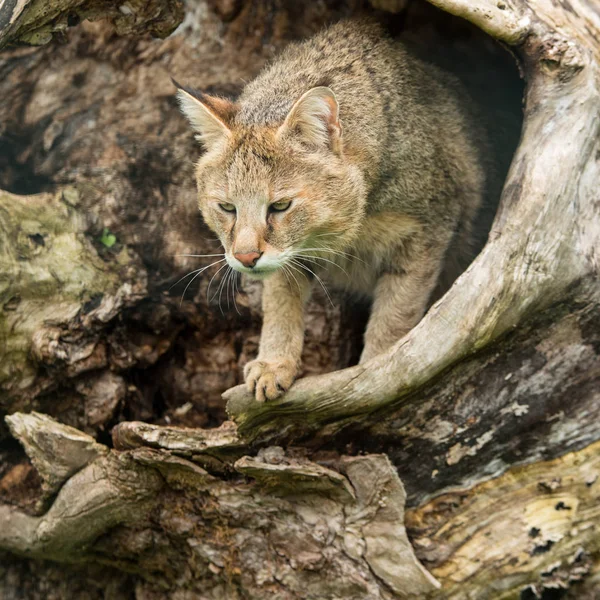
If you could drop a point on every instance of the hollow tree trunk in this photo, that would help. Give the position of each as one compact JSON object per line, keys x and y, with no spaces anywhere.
{"x":477,"y":434}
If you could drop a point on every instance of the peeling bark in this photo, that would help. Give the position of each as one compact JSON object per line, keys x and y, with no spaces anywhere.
{"x":298,"y":526}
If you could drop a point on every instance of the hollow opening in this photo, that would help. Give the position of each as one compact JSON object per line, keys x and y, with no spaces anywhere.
{"x":139,"y":183}
{"x":490,"y":75}
{"x":489,"y":72}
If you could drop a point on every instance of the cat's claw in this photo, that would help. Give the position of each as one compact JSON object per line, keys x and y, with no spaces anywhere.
{"x":269,"y":379}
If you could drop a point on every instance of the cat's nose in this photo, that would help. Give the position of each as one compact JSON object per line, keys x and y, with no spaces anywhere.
{"x":248,"y":259}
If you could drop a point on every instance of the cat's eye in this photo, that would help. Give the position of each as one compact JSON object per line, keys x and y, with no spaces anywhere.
{"x":227,"y":207}
{"x":280,"y":206}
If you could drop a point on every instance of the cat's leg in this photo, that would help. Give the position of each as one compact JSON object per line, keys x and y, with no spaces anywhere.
{"x":401,"y":297}
{"x":282,"y":336}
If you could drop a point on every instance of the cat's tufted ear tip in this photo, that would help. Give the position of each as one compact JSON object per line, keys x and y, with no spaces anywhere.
{"x":209,"y":116}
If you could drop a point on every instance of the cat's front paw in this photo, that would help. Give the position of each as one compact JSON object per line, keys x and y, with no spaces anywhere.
{"x":269,"y":379}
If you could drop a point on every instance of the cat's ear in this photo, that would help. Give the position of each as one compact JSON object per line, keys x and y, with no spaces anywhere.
{"x":315,"y":118}
{"x":209,"y":116}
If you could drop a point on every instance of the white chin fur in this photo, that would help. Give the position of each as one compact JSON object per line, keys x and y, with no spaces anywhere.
{"x":256,"y":273}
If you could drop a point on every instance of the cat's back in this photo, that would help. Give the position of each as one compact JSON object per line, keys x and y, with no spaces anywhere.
{"x":406,"y":121}
{"x":353,"y":58}
{"x":385,"y":92}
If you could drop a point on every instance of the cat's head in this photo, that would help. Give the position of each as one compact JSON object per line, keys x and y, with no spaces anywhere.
{"x":274,"y":192}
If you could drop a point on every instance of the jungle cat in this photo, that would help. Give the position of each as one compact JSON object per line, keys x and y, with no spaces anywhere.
{"x":346,"y":156}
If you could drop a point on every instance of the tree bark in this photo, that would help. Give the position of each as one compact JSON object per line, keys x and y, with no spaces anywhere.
{"x":463,"y":463}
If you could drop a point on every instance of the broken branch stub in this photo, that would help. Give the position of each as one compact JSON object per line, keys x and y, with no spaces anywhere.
{"x":57,"y":451}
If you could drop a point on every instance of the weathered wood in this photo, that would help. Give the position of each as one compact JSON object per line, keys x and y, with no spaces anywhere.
{"x":56,"y":295}
{"x":333,"y":533}
{"x":57,"y":451}
{"x":534,"y":528}
{"x":533,"y":396}
{"x":301,"y":528}
{"x":488,"y":409}
{"x":37,"y":21}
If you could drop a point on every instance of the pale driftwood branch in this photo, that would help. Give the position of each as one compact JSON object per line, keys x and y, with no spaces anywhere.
{"x":507,"y":21}
{"x":543,"y":241}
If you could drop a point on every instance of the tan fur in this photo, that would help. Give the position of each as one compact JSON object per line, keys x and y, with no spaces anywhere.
{"x":379,"y":156}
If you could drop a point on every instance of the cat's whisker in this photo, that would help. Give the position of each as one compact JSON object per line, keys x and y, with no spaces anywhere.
{"x":287,"y":278}
{"x":313,"y":259}
{"x":303,"y":266}
{"x":198,"y":272}
{"x":228,"y":286}
{"x":337,"y":252}
{"x":219,"y":287}
{"x":228,"y":291}
{"x":186,"y":275}
{"x":291,"y":266}
{"x":222,"y":287}
{"x":212,"y":298}
{"x":208,"y":301}
{"x":317,"y":278}
{"x":287,"y":270}
{"x":234,"y":287}
{"x":325,"y":235}
{"x":322,"y":235}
